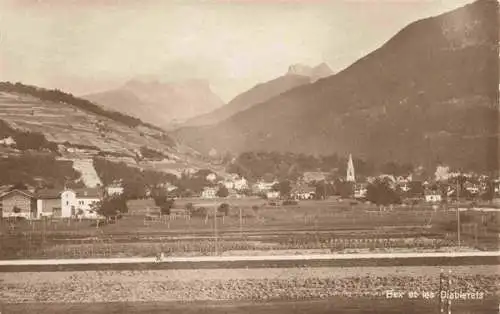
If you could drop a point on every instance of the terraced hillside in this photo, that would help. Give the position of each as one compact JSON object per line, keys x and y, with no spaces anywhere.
{"x":92,"y":133}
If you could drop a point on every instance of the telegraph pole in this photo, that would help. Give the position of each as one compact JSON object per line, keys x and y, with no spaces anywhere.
{"x":241,"y":223}
{"x":458,"y":212}
{"x":215,"y":228}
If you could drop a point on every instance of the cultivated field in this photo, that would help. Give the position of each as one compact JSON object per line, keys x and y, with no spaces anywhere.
{"x":315,"y":226}
{"x":61,"y":122}
{"x":240,"y":284}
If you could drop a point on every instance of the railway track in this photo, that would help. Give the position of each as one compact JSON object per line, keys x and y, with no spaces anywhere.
{"x":284,"y":261}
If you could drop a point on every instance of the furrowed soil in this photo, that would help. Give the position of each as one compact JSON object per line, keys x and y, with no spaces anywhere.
{"x":264,"y":284}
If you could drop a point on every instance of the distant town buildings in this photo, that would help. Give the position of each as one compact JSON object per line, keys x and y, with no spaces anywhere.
{"x":263,"y":186}
{"x":209,"y":193}
{"x":240,"y":184}
{"x":360,"y":190}
{"x":433,"y":196}
{"x":114,"y":189}
{"x":303,"y":192}
{"x":273,"y":195}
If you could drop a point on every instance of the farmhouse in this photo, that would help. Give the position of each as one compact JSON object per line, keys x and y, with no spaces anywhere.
{"x":433,"y":196}
{"x":80,"y":202}
{"x":240,"y":184}
{"x":303,"y":192}
{"x":273,"y":195}
{"x":48,"y":203}
{"x":360,"y":191}
{"x":114,"y":189}
{"x":209,"y":192}
{"x":18,"y":203}
{"x":263,"y":186}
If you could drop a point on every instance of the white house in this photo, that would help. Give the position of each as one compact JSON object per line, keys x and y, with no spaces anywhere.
{"x":79,"y":202}
{"x":229,"y":184}
{"x":263,"y":186}
{"x":273,"y":194}
{"x":433,"y":197}
{"x":114,"y":189}
{"x":240,"y":184}
{"x":211,"y":177}
{"x":209,"y":192}
{"x":360,"y":191}
{"x":8,"y":141}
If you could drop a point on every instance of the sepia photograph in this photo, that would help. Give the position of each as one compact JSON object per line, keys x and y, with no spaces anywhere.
{"x":249,"y":156}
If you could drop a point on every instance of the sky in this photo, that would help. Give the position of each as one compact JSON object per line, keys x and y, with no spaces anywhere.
{"x":86,"y":46}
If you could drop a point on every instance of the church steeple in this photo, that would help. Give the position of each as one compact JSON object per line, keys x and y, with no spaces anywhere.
{"x":350,"y":177}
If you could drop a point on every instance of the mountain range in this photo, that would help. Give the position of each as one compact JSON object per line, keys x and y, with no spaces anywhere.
{"x":297,"y":75}
{"x":162,"y":104}
{"x":428,"y":95}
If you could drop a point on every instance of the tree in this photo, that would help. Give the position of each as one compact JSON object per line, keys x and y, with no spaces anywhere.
{"x":190,"y":208}
{"x":380,"y":193}
{"x":134,"y":190}
{"x":76,"y":185}
{"x":489,"y":194}
{"x":222,"y":191}
{"x":19,"y":186}
{"x":344,"y":189}
{"x":111,"y":206}
{"x":283,"y":187}
{"x":323,"y":190}
{"x":224,"y":209}
{"x":164,"y":203}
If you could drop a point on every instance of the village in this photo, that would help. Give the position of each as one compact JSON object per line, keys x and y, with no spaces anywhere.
{"x":447,"y":187}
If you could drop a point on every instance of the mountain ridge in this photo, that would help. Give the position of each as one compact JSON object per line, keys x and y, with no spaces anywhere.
{"x":426,"y":90}
{"x":297,"y":75}
{"x":160,"y":103}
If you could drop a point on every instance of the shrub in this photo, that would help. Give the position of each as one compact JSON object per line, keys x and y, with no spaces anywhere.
{"x":222,"y":191}
{"x":198,"y":212}
{"x":224,"y":209}
{"x":290,"y":202}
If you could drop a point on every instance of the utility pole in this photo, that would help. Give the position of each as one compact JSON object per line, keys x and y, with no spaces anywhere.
{"x":458,"y":212}
{"x":475,"y":235}
{"x":215,"y":228}
{"x":241,"y":223}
